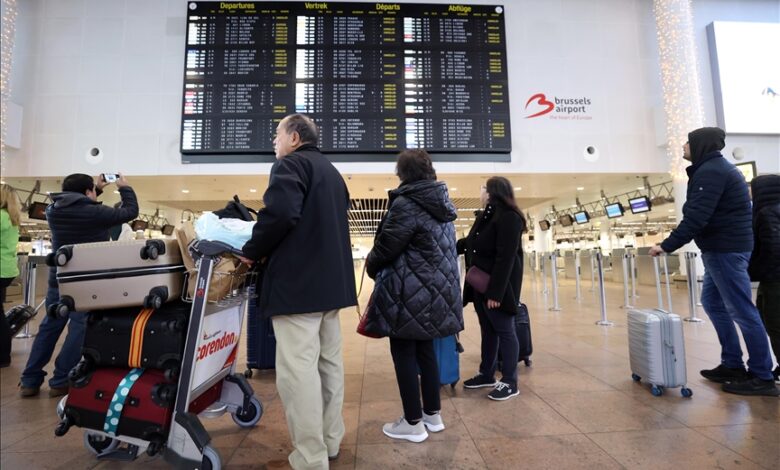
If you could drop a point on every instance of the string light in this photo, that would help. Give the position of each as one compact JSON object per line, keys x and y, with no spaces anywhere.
{"x":679,"y":78}
{"x":7,"y":34}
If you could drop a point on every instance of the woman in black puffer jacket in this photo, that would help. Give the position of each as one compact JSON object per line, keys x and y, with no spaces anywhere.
{"x":416,"y":294}
{"x":493,"y":246}
{"x":765,"y":262}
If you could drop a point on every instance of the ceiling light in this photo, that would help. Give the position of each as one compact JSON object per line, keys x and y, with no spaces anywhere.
{"x":116,"y":192}
{"x":640,"y":188}
{"x":185,"y":191}
{"x":670,"y":210}
{"x":453,"y":189}
{"x":518,"y":188}
{"x":252,"y":190}
{"x":580,"y":188}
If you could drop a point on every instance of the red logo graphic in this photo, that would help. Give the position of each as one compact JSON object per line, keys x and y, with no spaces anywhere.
{"x":542,"y":100}
{"x":216,"y":345}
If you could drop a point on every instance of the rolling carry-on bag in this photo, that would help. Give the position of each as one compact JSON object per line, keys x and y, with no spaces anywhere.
{"x":121,"y":401}
{"x":104,"y":275}
{"x":137,"y":337}
{"x":448,"y":356}
{"x":260,"y":341}
{"x":656,"y":349}
{"x":18,"y":316}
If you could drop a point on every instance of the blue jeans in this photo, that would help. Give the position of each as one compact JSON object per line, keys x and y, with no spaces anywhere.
{"x":46,"y":340}
{"x":727,"y":299}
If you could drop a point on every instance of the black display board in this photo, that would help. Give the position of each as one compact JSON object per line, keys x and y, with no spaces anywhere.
{"x":376,"y":77}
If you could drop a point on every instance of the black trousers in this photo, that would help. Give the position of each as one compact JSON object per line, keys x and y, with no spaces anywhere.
{"x":408,"y":355}
{"x":768,"y":303}
{"x":497,"y":327}
{"x":5,"y":329}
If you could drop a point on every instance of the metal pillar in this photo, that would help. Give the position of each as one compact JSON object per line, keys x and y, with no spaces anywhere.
{"x":577,"y":274}
{"x":602,"y":292}
{"x":693,"y":286}
{"x":626,"y":301}
{"x":554,"y":278}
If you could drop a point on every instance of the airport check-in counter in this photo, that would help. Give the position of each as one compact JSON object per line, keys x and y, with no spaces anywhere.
{"x":569,"y":263}
{"x":616,"y":274}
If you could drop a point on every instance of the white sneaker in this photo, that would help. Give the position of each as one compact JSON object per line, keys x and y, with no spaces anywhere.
{"x":401,"y":429}
{"x":433,"y":422}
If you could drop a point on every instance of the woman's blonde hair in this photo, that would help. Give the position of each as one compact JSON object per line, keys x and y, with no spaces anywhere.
{"x":10,"y":202}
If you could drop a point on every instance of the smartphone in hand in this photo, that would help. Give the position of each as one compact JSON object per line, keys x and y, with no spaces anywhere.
{"x":110,"y":177}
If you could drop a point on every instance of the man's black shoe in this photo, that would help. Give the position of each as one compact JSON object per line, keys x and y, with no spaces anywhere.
{"x":723,"y":374}
{"x":753,"y":386}
{"x":776,"y":373}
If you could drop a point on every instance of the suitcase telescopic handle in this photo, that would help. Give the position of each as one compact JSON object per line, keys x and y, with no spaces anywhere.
{"x":214,"y":248}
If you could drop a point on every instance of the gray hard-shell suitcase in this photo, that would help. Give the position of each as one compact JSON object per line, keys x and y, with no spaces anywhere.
{"x":105,"y":275}
{"x":656,"y":348}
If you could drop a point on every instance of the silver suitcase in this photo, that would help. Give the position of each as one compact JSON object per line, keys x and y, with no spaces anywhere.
{"x":97,"y":276}
{"x":657,"y":350}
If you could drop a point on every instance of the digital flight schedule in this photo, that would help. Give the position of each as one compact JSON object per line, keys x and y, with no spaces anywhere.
{"x":376,"y":78}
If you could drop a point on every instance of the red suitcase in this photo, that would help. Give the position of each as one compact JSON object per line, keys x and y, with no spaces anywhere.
{"x":147,"y":409}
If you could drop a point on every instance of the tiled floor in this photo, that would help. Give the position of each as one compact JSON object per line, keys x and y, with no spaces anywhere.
{"x":578,"y":407}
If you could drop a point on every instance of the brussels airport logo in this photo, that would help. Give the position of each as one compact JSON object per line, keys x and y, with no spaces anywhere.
{"x":539,"y":105}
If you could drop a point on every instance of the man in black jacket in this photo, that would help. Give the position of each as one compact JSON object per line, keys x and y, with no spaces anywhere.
{"x":764,"y":265}
{"x":74,"y":217}
{"x":717,"y":216}
{"x":304,"y":234}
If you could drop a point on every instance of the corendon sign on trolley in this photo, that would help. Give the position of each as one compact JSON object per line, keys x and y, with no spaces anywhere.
{"x":218,"y":344}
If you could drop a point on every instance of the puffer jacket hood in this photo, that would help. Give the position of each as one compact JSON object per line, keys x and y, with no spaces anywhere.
{"x":766,"y":191}
{"x":69,"y":198}
{"x":431,"y":196}
{"x":704,"y":141}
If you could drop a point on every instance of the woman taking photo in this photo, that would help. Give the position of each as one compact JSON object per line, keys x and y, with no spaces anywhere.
{"x":492,"y":247}
{"x":416,"y":295}
{"x":10,"y":214}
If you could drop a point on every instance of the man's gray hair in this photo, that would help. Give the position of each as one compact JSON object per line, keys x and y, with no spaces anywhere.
{"x":304,"y":126}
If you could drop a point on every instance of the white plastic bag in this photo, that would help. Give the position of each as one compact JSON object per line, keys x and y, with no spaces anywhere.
{"x":234,"y":232}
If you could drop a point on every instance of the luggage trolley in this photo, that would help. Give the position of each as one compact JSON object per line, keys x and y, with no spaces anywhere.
{"x":208,"y":385}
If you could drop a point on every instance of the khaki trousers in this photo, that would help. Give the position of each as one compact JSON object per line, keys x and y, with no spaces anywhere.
{"x":310,"y":381}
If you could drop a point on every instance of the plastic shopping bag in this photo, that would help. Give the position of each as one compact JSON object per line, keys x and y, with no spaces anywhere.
{"x":234,"y":232}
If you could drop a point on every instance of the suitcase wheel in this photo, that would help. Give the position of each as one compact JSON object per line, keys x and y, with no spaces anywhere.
{"x":656,"y":391}
{"x":156,"y":443}
{"x":172,"y":372}
{"x":153,"y":301}
{"x":635,"y":378}
{"x":248,"y":373}
{"x":686,"y":392}
{"x":63,"y":255}
{"x":98,"y":443}
{"x":249,"y":417}
{"x":211,"y":460}
{"x":63,"y":426}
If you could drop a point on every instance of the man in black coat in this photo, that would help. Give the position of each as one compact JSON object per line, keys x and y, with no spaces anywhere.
{"x":717,"y":216}
{"x":303,"y":232}
{"x":74,"y":217}
{"x":764,"y":265}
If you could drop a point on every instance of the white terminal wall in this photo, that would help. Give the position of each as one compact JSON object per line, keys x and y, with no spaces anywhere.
{"x":108,"y":74}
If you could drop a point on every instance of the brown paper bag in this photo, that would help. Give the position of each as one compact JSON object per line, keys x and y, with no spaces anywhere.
{"x":226,"y":274}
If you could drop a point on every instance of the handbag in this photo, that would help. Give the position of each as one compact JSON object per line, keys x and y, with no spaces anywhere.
{"x":478,"y":279}
{"x":363,"y":318}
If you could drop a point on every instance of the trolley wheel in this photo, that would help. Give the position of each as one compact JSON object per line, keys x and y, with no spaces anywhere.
{"x":211,"y":460}
{"x":636,"y":378}
{"x":248,"y":373}
{"x":686,"y":392}
{"x":249,"y":417}
{"x":98,"y":444}
{"x":656,"y":391}
{"x":153,"y":301}
{"x":61,"y":407}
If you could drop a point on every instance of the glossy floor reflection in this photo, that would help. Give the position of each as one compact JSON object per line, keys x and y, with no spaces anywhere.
{"x":578,"y":406}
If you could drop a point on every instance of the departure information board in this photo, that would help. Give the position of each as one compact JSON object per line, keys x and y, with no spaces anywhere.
{"x":376,"y":77}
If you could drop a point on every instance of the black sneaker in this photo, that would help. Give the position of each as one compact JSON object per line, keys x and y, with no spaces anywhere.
{"x":480,"y":381}
{"x":723,"y":374}
{"x":776,"y":373}
{"x":753,"y":386}
{"x":503,"y":391}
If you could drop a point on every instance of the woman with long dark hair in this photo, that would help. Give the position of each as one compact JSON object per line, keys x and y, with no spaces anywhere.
{"x":493,"y":247}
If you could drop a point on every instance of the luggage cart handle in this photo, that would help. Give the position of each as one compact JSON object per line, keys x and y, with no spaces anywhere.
{"x":213,"y":249}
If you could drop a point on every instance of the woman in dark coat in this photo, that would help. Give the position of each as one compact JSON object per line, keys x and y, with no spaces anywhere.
{"x":493,"y":246}
{"x":764,"y":265}
{"x":416,"y":294}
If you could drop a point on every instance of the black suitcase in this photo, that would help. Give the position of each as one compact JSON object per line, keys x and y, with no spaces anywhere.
{"x":137,"y":337}
{"x":260,"y":341}
{"x":523,"y":331}
{"x":18,"y":316}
